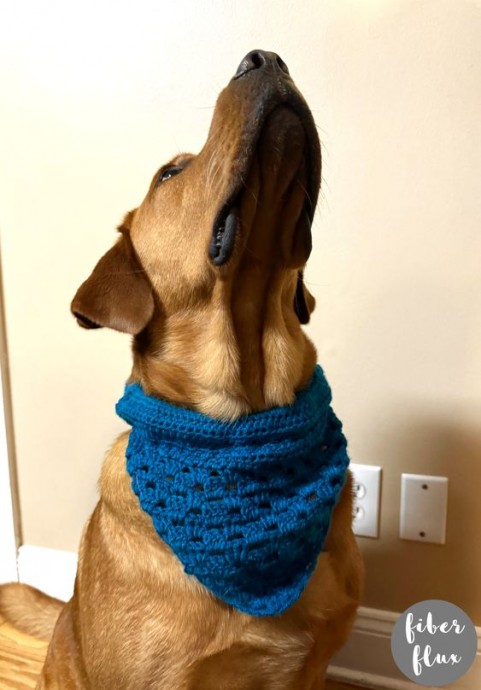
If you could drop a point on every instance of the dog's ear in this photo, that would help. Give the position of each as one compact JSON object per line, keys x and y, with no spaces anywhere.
{"x":118,"y":294}
{"x":302,"y":241}
{"x":304,"y":301}
{"x":296,"y":250}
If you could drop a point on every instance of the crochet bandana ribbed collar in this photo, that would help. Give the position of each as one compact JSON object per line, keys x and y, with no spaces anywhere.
{"x":244,"y":505}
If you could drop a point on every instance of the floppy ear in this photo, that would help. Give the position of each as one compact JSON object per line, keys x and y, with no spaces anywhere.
{"x":304,"y":302}
{"x":302,"y":240}
{"x":296,"y":250}
{"x":117,"y":294}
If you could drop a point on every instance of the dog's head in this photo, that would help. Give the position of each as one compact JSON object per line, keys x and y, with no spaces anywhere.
{"x":222,"y":226}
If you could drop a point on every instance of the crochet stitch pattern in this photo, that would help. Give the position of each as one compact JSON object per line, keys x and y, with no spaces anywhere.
{"x":244,"y":505}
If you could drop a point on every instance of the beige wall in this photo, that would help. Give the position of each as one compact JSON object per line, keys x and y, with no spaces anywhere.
{"x":94,"y":96}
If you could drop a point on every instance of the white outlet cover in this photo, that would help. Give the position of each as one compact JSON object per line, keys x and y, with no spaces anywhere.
{"x":424,"y":505}
{"x":367,"y":495}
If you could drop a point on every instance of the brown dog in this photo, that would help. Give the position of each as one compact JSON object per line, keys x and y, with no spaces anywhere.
{"x":207,"y":275}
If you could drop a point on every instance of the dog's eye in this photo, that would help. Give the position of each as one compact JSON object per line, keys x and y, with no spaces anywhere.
{"x":169,"y":172}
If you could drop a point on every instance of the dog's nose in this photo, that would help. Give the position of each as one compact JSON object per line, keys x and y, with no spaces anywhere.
{"x":260,"y":59}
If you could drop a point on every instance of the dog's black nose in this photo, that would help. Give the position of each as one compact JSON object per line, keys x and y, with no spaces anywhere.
{"x":260,"y":59}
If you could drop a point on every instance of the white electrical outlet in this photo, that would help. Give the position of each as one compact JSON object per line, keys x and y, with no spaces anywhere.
{"x":424,"y":502}
{"x":367,"y":495}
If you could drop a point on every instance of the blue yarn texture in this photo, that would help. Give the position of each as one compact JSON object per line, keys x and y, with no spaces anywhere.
{"x":244,"y":505}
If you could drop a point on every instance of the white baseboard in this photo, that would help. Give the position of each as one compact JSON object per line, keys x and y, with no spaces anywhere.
{"x":365,"y":660}
{"x":49,"y":570}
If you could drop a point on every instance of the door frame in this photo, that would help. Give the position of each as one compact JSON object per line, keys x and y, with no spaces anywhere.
{"x":9,"y":515}
{"x":8,"y":538}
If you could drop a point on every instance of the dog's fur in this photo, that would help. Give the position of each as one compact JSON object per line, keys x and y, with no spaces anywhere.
{"x":225,"y":340}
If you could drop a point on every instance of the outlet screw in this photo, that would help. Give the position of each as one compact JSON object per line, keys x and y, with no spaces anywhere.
{"x":422,"y":534}
{"x":425,"y":486}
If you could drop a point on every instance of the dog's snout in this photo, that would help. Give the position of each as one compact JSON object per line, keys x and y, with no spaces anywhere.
{"x":260,"y":59}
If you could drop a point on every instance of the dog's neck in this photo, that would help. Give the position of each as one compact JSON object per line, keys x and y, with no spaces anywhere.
{"x":240,"y":352}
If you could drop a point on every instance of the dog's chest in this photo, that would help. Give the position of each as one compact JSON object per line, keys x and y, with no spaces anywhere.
{"x":218,"y":652}
{"x":271,"y":662}
{"x":179,"y":633}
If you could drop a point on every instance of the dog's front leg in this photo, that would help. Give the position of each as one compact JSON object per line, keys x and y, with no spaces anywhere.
{"x":63,"y":668}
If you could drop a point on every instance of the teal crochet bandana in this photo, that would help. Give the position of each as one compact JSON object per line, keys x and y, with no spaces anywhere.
{"x":244,"y":505}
